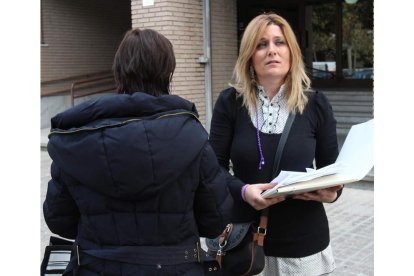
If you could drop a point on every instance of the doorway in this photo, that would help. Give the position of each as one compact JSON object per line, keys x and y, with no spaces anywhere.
{"x":336,"y":37}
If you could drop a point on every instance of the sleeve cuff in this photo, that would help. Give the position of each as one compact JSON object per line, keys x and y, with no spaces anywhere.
{"x":243,"y":192}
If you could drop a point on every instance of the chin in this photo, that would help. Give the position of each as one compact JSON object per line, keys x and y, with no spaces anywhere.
{"x":276,"y":75}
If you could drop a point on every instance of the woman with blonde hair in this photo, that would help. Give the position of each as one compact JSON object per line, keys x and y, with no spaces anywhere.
{"x":296,"y":81}
{"x":270,"y":82}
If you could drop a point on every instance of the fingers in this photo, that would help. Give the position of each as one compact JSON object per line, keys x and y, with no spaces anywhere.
{"x":260,"y":203}
{"x":274,"y":200}
{"x":335,"y":188}
{"x":254,"y":198}
{"x":323,"y":195}
{"x":264,"y":187}
{"x":307,"y":196}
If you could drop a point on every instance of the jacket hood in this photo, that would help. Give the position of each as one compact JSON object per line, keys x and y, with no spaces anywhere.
{"x":127,"y":146}
{"x":138,"y":104}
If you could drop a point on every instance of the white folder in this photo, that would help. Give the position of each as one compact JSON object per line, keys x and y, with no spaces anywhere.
{"x":354,"y":162}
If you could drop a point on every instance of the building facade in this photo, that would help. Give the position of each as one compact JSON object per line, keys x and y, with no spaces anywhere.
{"x":79,"y":39}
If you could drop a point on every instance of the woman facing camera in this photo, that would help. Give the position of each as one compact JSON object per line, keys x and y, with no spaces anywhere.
{"x":248,"y":119}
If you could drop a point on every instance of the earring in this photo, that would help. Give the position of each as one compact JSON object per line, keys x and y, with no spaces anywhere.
{"x":252,"y":74}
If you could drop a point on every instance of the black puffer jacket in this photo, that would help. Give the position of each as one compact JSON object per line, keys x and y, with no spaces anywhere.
{"x":130,"y":171}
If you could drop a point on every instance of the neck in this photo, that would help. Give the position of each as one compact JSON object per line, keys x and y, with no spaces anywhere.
{"x":271,"y":87}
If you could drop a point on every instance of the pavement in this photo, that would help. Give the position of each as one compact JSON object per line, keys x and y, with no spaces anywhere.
{"x":351,"y":220}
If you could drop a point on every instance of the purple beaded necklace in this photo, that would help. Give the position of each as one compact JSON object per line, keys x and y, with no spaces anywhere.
{"x":259,"y":144}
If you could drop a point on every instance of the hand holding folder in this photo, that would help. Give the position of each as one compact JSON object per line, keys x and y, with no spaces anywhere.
{"x":354,"y":162}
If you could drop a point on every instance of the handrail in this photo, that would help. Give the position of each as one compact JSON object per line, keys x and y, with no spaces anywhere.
{"x":83,"y":76}
{"x":63,"y":85}
{"x":93,"y":82}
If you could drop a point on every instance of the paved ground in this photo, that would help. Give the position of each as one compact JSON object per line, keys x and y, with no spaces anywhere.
{"x":351,"y":221}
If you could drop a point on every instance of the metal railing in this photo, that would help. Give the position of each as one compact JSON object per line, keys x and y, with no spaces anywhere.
{"x":80,"y":85}
{"x":91,"y":86}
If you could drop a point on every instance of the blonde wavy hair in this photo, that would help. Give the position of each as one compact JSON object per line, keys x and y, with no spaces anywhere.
{"x":296,"y":81}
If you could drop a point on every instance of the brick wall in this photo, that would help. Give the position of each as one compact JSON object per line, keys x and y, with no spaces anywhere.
{"x":181,"y":21}
{"x":223,"y":43}
{"x":81,"y":36}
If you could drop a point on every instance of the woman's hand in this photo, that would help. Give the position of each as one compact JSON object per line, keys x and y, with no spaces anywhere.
{"x":253,"y":196}
{"x":323,"y":195}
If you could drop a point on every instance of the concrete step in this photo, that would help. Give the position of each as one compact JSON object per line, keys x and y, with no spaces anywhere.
{"x":353,"y":108}
{"x":366,"y":104}
{"x":351,"y":100}
{"x":350,"y":108}
{"x":350,"y":97}
{"x":348,"y":93}
{"x":351,"y":119}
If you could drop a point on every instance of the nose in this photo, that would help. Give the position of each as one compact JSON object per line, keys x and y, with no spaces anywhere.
{"x":272,"y":49}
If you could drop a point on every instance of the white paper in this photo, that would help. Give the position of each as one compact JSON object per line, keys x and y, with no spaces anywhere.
{"x":289,"y":177}
{"x":357,"y":153}
{"x":354,"y":162}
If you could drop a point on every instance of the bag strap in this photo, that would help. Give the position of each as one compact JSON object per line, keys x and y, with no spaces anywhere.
{"x":282,"y":143}
{"x":148,"y":255}
{"x":261,"y":229}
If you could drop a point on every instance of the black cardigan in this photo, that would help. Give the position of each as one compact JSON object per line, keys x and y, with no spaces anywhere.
{"x":296,"y":228}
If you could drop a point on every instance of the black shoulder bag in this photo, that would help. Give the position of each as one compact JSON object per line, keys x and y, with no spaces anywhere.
{"x":239,"y":249}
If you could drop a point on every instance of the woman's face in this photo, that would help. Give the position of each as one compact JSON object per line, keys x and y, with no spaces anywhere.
{"x":272,"y":56}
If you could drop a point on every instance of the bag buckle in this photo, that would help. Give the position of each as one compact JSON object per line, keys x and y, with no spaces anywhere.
{"x":223,"y":238}
{"x":261,"y":231}
{"x":222,"y":244}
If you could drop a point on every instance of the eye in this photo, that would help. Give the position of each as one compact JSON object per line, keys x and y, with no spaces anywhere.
{"x":279,"y":42}
{"x":262,"y":44}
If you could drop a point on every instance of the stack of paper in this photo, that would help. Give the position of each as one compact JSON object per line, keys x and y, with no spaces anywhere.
{"x":288,"y":177}
{"x":354,"y":162}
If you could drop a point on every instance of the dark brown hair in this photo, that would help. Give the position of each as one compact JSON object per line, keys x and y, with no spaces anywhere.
{"x":144,"y":62}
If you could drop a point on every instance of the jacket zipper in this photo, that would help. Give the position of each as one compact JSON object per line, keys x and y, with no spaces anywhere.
{"x":120,"y":124}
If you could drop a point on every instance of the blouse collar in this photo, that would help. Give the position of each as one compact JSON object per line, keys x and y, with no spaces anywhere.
{"x":276,"y":98}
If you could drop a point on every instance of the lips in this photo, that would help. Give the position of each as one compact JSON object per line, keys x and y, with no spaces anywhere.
{"x":272,"y":62}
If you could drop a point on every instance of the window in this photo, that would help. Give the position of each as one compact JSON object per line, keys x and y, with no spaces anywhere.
{"x":357,"y":40}
{"x":340,"y":47}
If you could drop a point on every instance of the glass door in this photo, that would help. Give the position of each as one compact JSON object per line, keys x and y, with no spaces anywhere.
{"x":339,"y":40}
{"x":357,"y":40}
{"x":321,"y":30}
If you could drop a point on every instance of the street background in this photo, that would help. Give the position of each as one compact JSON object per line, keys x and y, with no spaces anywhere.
{"x":351,"y":220}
